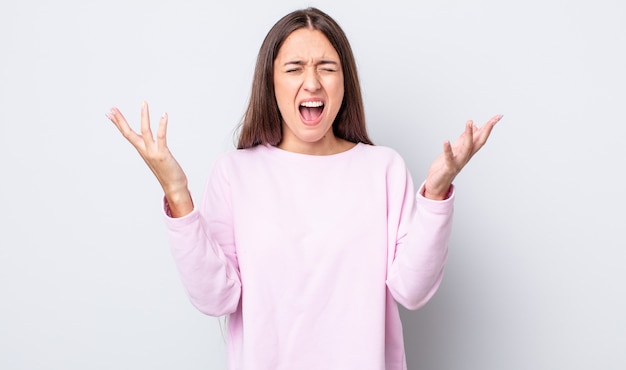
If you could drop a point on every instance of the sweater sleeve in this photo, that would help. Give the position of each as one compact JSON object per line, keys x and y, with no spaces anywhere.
{"x":204,"y":252}
{"x":422,"y":232}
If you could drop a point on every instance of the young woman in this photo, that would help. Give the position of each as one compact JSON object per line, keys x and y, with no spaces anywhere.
{"x":308,"y":235}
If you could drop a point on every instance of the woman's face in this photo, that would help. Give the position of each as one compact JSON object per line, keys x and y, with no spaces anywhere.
{"x":308,"y":82}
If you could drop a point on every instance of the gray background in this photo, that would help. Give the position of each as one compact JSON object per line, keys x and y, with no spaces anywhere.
{"x":535,"y":277}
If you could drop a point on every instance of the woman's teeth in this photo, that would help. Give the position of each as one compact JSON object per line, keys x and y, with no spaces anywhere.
{"x":312,"y":104}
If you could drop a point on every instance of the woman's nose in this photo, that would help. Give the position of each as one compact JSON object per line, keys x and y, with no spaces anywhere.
{"x":311,"y":80}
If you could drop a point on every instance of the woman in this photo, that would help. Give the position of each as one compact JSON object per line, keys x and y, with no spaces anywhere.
{"x":308,"y":235}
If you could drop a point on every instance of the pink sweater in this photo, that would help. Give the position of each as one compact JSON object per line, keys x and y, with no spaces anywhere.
{"x":308,"y":256}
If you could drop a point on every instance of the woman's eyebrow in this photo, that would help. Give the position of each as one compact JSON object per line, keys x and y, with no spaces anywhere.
{"x":327,"y":62}
{"x":301,"y":63}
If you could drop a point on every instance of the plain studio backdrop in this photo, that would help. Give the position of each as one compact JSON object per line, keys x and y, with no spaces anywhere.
{"x":535,"y":277}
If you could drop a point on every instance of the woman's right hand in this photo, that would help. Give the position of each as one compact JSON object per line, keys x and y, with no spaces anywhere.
{"x":158,"y":157}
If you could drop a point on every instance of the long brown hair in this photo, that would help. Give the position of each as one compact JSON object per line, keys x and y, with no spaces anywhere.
{"x":262,"y":123}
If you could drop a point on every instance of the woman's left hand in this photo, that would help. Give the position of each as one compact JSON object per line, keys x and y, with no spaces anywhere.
{"x":455,"y":156}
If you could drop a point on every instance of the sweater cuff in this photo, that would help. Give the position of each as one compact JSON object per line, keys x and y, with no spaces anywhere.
{"x":174,"y":222}
{"x":439,"y":206}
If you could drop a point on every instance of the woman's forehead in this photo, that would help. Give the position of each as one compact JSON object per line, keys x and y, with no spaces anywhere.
{"x":305,"y":43}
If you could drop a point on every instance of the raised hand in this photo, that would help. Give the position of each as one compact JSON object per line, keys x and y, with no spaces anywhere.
{"x":455,"y":156}
{"x":158,"y":157}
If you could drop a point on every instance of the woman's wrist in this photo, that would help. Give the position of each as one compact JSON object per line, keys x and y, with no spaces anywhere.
{"x":179,"y":203}
{"x":436,"y":195}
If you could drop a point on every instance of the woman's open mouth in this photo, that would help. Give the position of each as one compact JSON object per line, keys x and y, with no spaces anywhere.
{"x":311,"y":111}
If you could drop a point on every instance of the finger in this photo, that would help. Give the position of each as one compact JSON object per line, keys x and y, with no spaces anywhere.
{"x":461,"y":145}
{"x":470,"y":128}
{"x":483,"y":134}
{"x":447,"y":152}
{"x":467,"y":144}
{"x":146,"y":131}
{"x":492,"y":122}
{"x":162,"y":131}
{"x":122,"y":125}
{"x":118,"y":120}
